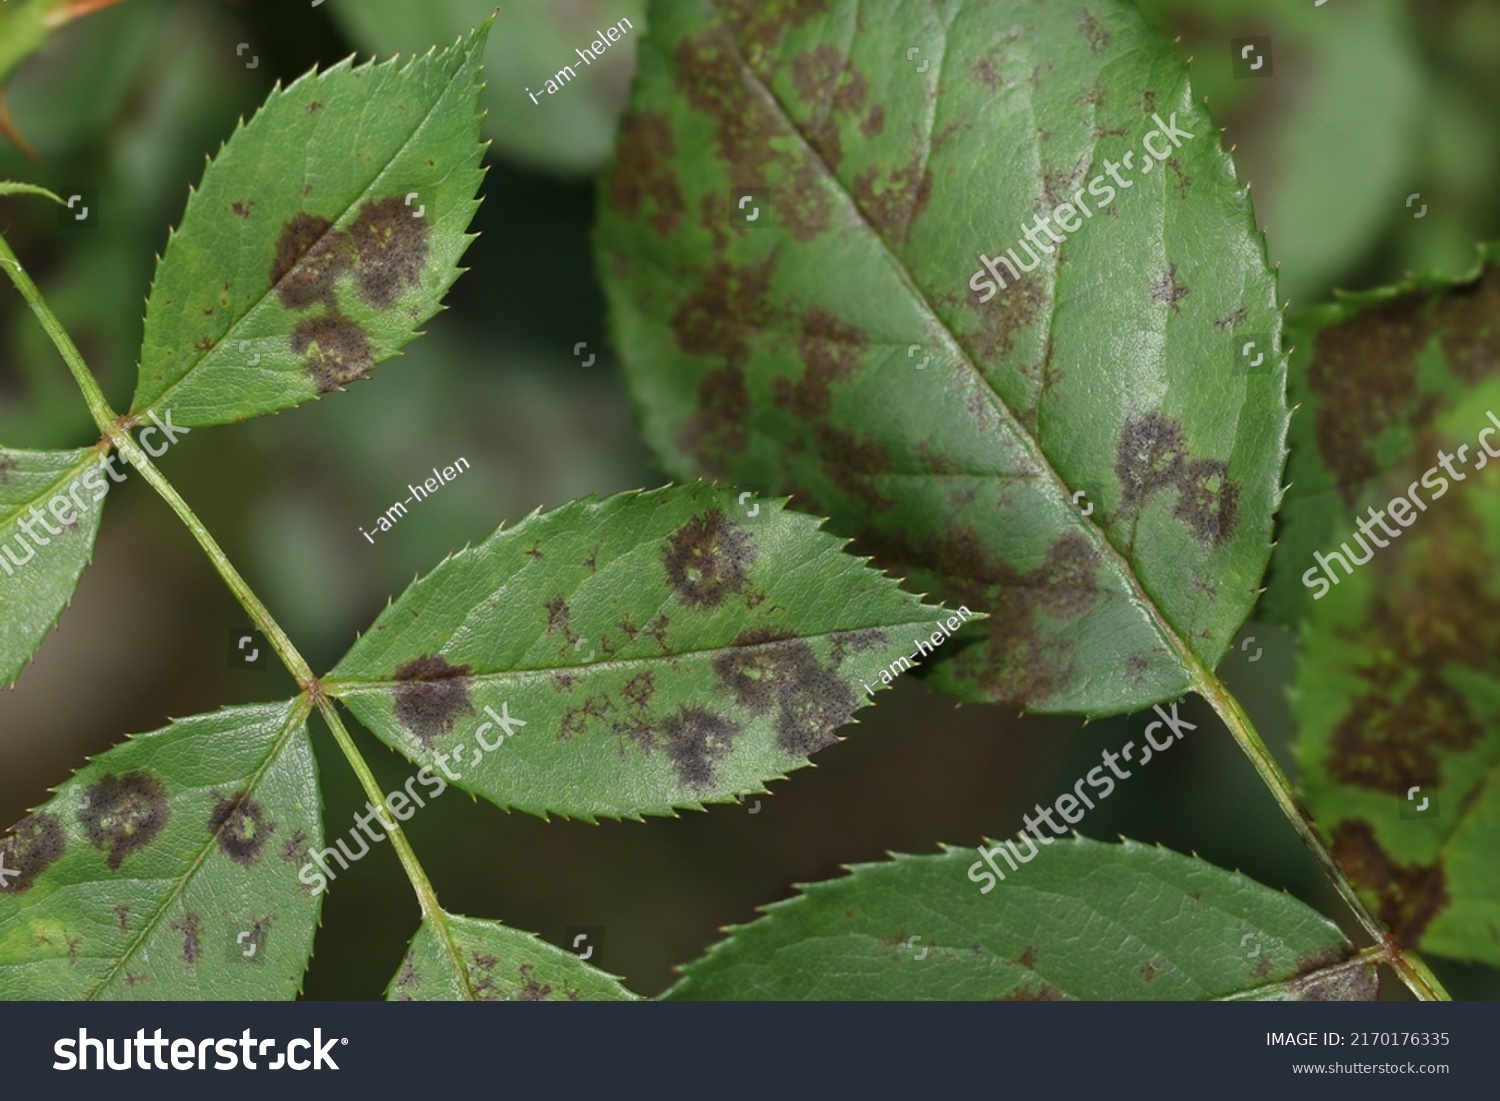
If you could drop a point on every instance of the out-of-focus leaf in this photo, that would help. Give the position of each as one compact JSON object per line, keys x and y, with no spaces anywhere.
{"x":1370,"y":373}
{"x":1398,"y":690}
{"x":1092,"y":454}
{"x":494,"y":962}
{"x":24,"y":26}
{"x":51,"y":503}
{"x":1083,"y":920}
{"x":630,"y":656}
{"x":168,"y":867}
{"x":569,"y":130}
{"x":325,"y":231}
{"x":1329,"y":132}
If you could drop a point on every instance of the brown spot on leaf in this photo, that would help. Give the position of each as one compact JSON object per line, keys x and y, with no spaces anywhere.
{"x":1379,"y":348}
{"x":696,"y":741}
{"x":854,"y":464}
{"x":640,"y":688}
{"x":557,"y":614}
{"x":707,"y":559}
{"x":856,"y":642}
{"x":643,"y":177}
{"x":389,"y":244}
{"x":309,"y":257}
{"x":830,"y":350}
{"x":291,"y":848}
{"x":1093,"y":30}
{"x":123,"y":913}
{"x":189,"y":926}
{"x":7,"y":464}
{"x":1027,"y":958}
{"x":241,"y":827}
{"x":766,"y":670}
{"x":1151,"y":456}
{"x":30,"y":847}
{"x":1010,"y":655}
{"x":243,"y":209}
{"x":532,"y":990}
{"x":336,"y":348}
{"x":124,"y":814}
{"x":1408,"y":896}
{"x":752,"y":135}
{"x":893,"y":200}
{"x":1168,"y":290}
{"x":432,"y":697}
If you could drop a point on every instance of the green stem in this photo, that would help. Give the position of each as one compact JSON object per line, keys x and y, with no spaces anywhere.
{"x":99,"y":408}
{"x":432,"y":912}
{"x":116,"y":431}
{"x":1407,"y":964}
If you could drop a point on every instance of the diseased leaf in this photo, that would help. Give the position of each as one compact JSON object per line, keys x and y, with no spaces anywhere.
{"x":495,"y":963}
{"x":633,"y":655}
{"x":1370,"y":373}
{"x":1398,"y":689}
{"x":569,"y":130}
{"x":168,"y":867}
{"x":1082,"y":920}
{"x":51,"y":503}
{"x":1086,"y":454}
{"x":325,"y":231}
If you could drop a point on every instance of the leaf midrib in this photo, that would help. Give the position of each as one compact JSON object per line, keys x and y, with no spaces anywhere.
{"x":1188,"y":660}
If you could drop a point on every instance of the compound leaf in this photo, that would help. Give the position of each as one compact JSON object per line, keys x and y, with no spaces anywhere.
{"x":569,"y":129}
{"x":167,"y":868}
{"x":1083,"y":920}
{"x":48,"y":524}
{"x":629,"y":656}
{"x":472,"y":959}
{"x":1398,"y":689}
{"x":325,"y":231}
{"x":1084,"y":452}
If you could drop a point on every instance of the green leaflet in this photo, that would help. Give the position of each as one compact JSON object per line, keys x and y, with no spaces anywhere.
{"x":570,"y":130}
{"x":1087,"y":455}
{"x":44,"y":547}
{"x":1398,"y":692}
{"x":1082,"y":920}
{"x":496,"y":963}
{"x":631,"y":656}
{"x":168,"y":867}
{"x":1371,"y":371}
{"x":325,"y":231}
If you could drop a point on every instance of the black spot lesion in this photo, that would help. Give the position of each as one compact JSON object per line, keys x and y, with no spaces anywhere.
{"x":390,"y":250}
{"x":708,"y":559}
{"x":310,"y":255}
{"x":336,"y":348}
{"x":1151,"y":456}
{"x":384,"y":252}
{"x":30,"y":847}
{"x":766,"y":670}
{"x":190,"y":926}
{"x":432,"y":696}
{"x":124,"y":814}
{"x":241,"y":826}
{"x":696,"y":741}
